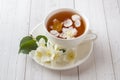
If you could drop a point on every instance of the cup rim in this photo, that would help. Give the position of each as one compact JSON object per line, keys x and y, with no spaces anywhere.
{"x":66,"y":9}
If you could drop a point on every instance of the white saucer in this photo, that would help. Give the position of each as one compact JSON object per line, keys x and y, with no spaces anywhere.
{"x":83,"y":51}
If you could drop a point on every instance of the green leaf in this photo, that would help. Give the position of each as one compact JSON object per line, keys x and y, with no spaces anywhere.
{"x":42,"y":36}
{"x":27,"y":44}
{"x":25,"y":39}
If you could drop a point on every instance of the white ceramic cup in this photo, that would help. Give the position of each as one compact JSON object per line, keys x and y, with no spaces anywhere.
{"x":70,"y":43}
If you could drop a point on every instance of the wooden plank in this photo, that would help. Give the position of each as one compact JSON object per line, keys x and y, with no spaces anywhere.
{"x":87,"y":68}
{"x":50,"y":74}
{"x":51,"y":5}
{"x":73,"y":73}
{"x":103,"y":60}
{"x":118,"y":2}
{"x":33,"y":70}
{"x":39,"y":9}
{"x":112,"y":13}
{"x":102,"y":56}
{"x":67,"y":4}
{"x":13,"y":26}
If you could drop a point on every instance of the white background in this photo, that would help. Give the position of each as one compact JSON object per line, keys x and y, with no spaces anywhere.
{"x":18,"y":18}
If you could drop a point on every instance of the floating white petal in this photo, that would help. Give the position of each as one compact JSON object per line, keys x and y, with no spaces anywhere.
{"x":68,"y":33}
{"x":54,"y":32}
{"x":67,"y":23}
{"x":77,"y":23}
{"x":75,"y":17}
{"x":62,"y":35}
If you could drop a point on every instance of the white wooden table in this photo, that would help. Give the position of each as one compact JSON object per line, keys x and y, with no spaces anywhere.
{"x":18,"y":18}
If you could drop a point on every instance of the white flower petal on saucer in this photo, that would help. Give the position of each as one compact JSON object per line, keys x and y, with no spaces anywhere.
{"x":50,"y":45}
{"x":45,"y":59}
{"x":56,"y":47}
{"x":58,"y":57}
{"x":38,"y":54}
{"x":77,"y":23}
{"x":43,"y":54}
{"x":47,"y":56}
{"x":70,"y":55}
{"x":41,"y":42}
{"x":75,"y":17}
{"x":54,"y":32}
{"x":67,"y":23}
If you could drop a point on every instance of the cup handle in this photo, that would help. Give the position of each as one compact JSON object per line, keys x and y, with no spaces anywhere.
{"x":90,"y":36}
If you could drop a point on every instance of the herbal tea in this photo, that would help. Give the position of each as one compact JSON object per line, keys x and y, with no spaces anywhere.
{"x":66,"y":25}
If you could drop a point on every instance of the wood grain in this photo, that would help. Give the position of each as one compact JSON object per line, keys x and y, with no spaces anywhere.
{"x":88,"y":68}
{"x":39,"y":9}
{"x":73,"y":73}
{"x":102,"y":65}
{"x":19,"y":17}
{"x":112,"y":13}
{"x":103,"y":60}
{"x":14,"y":20}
